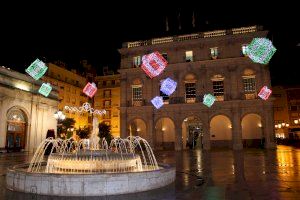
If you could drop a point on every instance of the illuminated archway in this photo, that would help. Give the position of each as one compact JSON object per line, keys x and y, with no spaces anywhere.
{"x":16,"y":129}
{"x":220,"y":132}
{"x":192,"y":133}
{"x":165,"y":134}
{"x":138,"y":128}
{"x":252,"y":130}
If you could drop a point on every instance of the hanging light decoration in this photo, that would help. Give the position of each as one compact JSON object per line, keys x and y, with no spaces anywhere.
{"x":157,"y":102}
{"x":90,"y":89}
{"x":264,"y":93}
{"x":168,"y":86}
{"x":37,"y":69}
{"x":260,"y":50}
{"x":153,"y":64}
{"x":86,"y":107}
{"x":45,"y":89}
{"x":208,"y":100}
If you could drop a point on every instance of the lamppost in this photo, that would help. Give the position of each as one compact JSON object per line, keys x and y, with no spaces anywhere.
{"x":59,"y":116}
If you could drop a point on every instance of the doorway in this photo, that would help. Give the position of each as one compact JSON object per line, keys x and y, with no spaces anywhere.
{"x":16,"y":130}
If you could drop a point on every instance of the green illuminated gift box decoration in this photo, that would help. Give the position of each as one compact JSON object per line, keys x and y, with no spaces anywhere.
{"x":37,"y":69}
{"x":208,"y":100}
{"x":260,"y":50}
{"x":45,"y":89}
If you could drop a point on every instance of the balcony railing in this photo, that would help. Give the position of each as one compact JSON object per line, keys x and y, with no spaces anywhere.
{"x":208,"y":34}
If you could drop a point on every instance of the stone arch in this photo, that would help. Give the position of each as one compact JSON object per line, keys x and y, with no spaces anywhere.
{"x":252,"y":130}
{"x":189,"y":77}
{"x":165,"y":133}
{"x":137,"y":127}
{"x":16,"y":131}
{"x":220,"y":131}
{"x":248,"y":72}
{"x":192,"y":132}
{"x":226,"y":114}
{"x":136,"y":81}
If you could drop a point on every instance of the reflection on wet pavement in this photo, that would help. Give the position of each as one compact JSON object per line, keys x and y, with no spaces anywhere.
{"x":218,"y":174}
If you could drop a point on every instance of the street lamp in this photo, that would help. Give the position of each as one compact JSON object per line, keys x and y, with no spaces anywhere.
{"x":59,"y":116}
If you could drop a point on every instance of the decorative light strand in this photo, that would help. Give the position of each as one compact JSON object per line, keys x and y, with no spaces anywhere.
{"x":86,"y":107}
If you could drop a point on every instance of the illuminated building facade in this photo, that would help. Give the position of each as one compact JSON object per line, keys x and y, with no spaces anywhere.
{"x":212,"y":62}
{"x":70,"y":85}
{"x":25,"y":115}
{"x":287,"y":112}
{"x":108,"y":98}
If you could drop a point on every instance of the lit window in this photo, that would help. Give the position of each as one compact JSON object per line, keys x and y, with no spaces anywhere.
{"x":107,"y":104}
{"x":136,"y":61}
{"x":249,"y":87}
{"x":107,"y":114}
{"x":190,"y":92}
{"x":136,"y":95}
{"x":244,"y":49}
{"x":107,"y":93}
{"x":189,"y":56}
{"x":214,"y":52}
{"x":218,"y":87}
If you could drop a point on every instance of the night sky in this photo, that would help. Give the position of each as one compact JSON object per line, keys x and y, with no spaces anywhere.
{"x":71,"y":32}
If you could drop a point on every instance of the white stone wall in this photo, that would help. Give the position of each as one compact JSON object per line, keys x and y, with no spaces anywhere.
{"x":38,"y":110}
{"x":89,"y":184}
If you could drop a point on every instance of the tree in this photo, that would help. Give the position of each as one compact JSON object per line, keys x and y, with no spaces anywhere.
{"x":83,"y":133}
{"x":105,"y":132}
{"x":66,"y":125}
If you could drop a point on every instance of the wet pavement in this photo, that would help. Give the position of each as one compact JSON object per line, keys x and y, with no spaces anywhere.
{"x":216,"y":174}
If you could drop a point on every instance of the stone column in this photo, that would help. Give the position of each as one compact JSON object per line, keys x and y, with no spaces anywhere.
{"x":3,"y":124}
{"x":178,"y":136}
{"x":268,"y":128}
{"x":206,"y":136}
{"x":233,"y":93}
{"x":236,"y":130}
{"x":123,"y":123}
{"x":123,"y":106}
{"x":206,"y":130}
{"x":150,"y":130}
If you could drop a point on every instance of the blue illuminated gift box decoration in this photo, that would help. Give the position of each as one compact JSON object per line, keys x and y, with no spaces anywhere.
{"x":157,"y":102}
{"x":168,"y":86}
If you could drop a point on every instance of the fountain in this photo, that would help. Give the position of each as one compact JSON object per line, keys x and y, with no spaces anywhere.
{"x":90,"y":167}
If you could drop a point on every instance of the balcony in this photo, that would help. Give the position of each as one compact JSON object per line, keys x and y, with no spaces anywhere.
{"x":131,"y":103}
{"x":208,"y":34}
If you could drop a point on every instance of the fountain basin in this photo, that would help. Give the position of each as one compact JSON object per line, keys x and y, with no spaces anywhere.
{"x":94,"y":184}
{"x":93,"y":161}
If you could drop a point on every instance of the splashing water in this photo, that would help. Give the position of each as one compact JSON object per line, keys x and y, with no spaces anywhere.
{"x":132,"y":154}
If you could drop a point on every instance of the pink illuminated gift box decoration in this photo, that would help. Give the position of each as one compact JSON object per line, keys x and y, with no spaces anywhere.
{"x":153,"y":64}
{"x":264,"y":93}
{"x":90,"y":89}
{"x":157,"y":102}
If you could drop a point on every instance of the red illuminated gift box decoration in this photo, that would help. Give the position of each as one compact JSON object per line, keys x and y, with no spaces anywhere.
{"x":153,"y":64}
{"x":264,"y":93}
{"x":90,"y":89}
